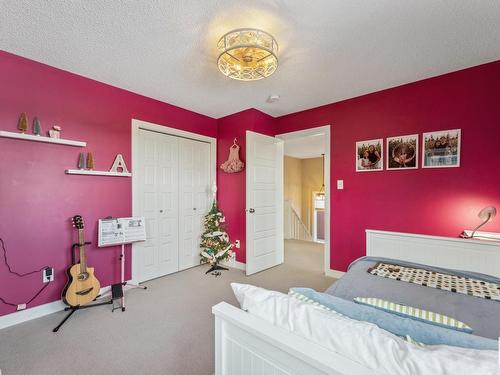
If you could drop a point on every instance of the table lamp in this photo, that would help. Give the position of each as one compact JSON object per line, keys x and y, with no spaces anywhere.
{"x":486,"y":214}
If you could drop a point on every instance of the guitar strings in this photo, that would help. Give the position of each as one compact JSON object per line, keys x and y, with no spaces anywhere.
{"x":20,"y":275}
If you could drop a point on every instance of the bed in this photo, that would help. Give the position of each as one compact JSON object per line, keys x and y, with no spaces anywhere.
{"x":247,"y":344}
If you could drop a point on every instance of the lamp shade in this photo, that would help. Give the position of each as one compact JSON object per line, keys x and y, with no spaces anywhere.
{"x":487,"y":213}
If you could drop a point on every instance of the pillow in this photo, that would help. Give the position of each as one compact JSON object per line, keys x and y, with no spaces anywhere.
{"x":414,"y":313}
{"x":305,"y":299}
{"x":362,"y":342}
{"x":425,"y":333}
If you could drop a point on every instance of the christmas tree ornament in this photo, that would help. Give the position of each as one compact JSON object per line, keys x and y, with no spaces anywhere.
{"x":22,"y":125}
{"x":90,"y":161}
{"x":37,"y":127}
{"x":215,"y":241}
{"x":81,"y":161}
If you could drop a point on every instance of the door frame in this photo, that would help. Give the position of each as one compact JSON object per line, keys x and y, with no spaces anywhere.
{"x":326,"y":132}
{"x":144,"y":125}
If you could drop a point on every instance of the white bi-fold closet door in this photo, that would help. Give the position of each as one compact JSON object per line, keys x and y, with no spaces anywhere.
{"x":173,"y":194}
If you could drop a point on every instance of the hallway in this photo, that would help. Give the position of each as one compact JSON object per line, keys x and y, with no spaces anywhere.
{"x":305,"y":256}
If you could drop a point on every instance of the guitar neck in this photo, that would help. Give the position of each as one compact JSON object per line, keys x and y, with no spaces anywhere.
{"x":81,"y":245}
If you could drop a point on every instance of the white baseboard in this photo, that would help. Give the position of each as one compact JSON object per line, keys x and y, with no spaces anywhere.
{"x":234,"y":264}
{"x":487,"y":236}
{"x":29,"y":314}
{"x":334,"y":273}
{"x":37,"y":311}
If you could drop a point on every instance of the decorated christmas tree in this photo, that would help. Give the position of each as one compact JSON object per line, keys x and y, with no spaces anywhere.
{"x":215,"y":240}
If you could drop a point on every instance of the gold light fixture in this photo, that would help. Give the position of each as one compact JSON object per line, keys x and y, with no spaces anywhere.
{"x":247,"y":54}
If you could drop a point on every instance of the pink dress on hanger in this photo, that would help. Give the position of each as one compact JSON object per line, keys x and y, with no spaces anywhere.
{"x":233,"y":164}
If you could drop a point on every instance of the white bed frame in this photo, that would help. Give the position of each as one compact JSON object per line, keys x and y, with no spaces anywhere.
{"x":248,"y":345}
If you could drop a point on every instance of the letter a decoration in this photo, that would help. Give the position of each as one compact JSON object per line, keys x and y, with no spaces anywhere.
{"x":119,"y":163}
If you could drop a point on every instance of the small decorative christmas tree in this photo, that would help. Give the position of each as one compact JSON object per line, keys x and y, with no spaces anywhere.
{"x":90,"y":161}
{"x":37,"y":127}
{"x":22,"y":125}
{"x":215,"y":240}
{"x":81,"y":161}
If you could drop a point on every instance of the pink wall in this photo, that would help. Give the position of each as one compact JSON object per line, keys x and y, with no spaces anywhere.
{"x":231,"y":186}
{"x":428,"y":201}
{"x":37,"y":198}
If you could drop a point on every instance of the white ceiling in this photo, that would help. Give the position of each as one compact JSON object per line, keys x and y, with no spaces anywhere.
{"x":329,"y":49}
{"x":305,"y":147}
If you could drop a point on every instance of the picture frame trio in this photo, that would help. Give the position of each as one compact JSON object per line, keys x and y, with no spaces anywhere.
{"x":440,"y":149}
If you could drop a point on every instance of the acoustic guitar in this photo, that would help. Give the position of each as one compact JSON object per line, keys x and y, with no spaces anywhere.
{"x":82,"y":287}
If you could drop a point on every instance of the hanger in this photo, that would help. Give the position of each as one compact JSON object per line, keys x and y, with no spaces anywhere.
{"x":235,"y":143}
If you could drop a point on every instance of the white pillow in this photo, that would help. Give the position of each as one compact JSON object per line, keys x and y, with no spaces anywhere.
{"x":360,"y":341}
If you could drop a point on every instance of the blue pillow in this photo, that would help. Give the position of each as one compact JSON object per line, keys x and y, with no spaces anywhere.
{"x":419,"y":331}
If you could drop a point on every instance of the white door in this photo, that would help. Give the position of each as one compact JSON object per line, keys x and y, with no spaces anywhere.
{"x":194,"y":199}
{"x":264,"y":202}
{"x":158,"y":171}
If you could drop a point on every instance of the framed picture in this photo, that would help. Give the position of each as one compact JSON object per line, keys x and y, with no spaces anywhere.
{"x":402,"y":152}
{"x":441,"y":149}
{"x":369,"y":155}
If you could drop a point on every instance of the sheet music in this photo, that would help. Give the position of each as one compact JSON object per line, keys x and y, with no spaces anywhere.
{"x":124,"y":230}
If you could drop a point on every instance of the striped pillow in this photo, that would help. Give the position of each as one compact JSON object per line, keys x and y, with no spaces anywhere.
{"x":414,"y":313}
{"x":303,"y":298}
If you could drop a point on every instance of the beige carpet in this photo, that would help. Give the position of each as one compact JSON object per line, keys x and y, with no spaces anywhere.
{"x":167,"y":329}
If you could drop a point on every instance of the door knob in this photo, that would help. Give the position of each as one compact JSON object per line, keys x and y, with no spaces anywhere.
{"x":194,"y":208}
{"x":161,"y":211}
{"x":251,"y":210}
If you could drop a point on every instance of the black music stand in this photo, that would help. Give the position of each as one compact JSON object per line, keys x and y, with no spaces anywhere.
{"x":72,"y":309}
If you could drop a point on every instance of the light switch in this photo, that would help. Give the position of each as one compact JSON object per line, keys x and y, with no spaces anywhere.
{"x":340,"y":184}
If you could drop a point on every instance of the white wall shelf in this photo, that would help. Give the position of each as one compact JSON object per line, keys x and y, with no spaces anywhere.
{"x":97,"y":173}
{"x":39,"y":138}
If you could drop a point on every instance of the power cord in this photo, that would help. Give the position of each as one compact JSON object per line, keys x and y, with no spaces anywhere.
{"x":20,"y":275}
{"x":14,"y":272}
{"x":27,"y":303}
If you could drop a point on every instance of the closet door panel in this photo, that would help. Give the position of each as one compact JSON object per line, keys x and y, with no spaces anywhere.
{"x":194,"y":182}
{"x":148,"y":201}
{"x":175,"y":194}
{"x":168,"y":192}
{"x":158,"y":190}
{"x":188,"y":207}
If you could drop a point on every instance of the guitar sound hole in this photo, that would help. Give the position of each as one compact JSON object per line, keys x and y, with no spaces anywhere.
{"x":83,"y":276}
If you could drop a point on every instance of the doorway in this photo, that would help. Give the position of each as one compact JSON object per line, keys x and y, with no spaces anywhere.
{"x":173,"y":174}
{"x":307,"y":195}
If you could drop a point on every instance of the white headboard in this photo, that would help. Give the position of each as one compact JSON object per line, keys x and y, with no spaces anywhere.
{"x":455,"y":253}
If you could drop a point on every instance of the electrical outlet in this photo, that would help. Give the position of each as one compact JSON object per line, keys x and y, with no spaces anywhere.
{"x":237,"y":244}
{"x":340,"y":184}
{"x":20,"y":307}
{"x":48,"y":275}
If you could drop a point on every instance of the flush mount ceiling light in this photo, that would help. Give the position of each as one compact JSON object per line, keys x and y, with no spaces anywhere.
{"x":247,"y":54}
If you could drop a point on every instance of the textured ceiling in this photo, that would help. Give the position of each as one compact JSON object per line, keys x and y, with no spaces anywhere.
{"x":329,"y":49}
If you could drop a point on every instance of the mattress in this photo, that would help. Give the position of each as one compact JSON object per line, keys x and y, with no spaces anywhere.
{"x":480,"y":314}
